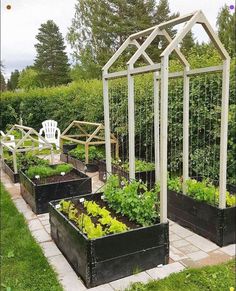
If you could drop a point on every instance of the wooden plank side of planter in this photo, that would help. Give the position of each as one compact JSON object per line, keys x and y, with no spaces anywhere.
{"x":14,"y":177}
{"x":228,"y":225}
{"x":77,"y":164}
{"x":200,"y":217}
{"x":38,"y":196}
{"x":111,"y":257}
{"x":64,"y":157}
{"x":74,"y":246}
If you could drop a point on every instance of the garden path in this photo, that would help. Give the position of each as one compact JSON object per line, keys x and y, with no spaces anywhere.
{"x":187,"y":249}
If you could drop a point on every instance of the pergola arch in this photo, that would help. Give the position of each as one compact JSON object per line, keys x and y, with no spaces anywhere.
{"x":161,"y":73}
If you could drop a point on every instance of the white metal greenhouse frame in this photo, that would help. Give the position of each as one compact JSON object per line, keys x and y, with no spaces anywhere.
{"x":161,"y":78}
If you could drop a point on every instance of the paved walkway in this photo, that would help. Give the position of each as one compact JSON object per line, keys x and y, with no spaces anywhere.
{"x":186,"y":248}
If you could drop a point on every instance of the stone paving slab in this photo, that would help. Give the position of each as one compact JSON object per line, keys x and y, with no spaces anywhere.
{"x":123,"y":283}
{"x":186,"y":248}
{"x":160,"y":273}
{"x":202,"y":243}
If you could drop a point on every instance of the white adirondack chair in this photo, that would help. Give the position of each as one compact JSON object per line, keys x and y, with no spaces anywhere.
{"x":51,"y":133}
{"x":11,"y":141}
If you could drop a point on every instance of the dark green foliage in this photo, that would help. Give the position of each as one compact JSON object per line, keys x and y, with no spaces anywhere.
{"x":140,"y":166}
{"x":12,"y":84}
{"x":23,"y":264}
{"x":47,"y":171}
{"x":94,"y":153}
{"x":51,"y":61}
{"x":3,"y":83}
{"x":226,"y":29}
{"x":99,"y":27}
{"x":24,"y":161}
{"x":133,"y":200}
{"x":212,"y":278}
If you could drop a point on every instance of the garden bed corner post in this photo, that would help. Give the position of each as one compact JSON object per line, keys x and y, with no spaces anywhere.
{"x":163,"y":138}
{"x":131,"y":124}
{"x":107,"y":123}
{"x":224,"y":132}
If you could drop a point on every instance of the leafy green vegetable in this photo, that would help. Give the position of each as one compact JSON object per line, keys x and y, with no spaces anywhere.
{"x":133,"y":200}
{"x":106,"y":224}
{"x":140,"y":166}
{"x":79,"y":153}
{"x":47,"y":171}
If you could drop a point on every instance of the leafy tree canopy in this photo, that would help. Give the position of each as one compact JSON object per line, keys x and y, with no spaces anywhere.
{"x":99,"y":27}
{"x":226,"y":29}
{"x":51,"y":61}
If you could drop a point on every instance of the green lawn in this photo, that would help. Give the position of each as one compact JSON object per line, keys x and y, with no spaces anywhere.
{"x":23,"y":265}
{"x":214,"y":278}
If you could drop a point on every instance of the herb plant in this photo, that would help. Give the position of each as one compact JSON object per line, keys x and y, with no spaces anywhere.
{"x":140,"y":166}
{"x":203,"y":191}
{"x":79,"y":153}
{"x":47,"y":171}
{"x":133,"y":200}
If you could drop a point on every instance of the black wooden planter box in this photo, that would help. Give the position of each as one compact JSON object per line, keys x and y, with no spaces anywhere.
{"x":147,"y":177}
{"x":218,"y":225}
{"x":38,"y":196}
{"x":77,"y":164}
{"x":68,"y":147}
{"x":112,"y":257}
{"x":13,"y":176}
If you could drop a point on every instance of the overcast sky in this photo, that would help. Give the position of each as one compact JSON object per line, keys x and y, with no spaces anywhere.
{"x":20,"y":24}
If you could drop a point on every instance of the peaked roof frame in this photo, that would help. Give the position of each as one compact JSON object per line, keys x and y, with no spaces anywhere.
{"x":28,"y":133}
{"x":160,"y":81}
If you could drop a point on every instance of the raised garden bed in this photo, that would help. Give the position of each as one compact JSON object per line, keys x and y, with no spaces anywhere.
{"x":14,"y":177}
{"x":107,"y":258}
{"x":146,"y":176}
{"x":217,"y":225}
{"x":37,"y":193}
{"x":77,"y":164}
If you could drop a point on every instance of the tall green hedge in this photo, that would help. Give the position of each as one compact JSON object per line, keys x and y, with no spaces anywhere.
{"x":83,"y":100}
{"x":77,"y":101}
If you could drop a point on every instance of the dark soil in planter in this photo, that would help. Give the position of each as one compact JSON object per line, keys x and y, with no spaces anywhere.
{"x":146,"y":176}
{"x":10,"y":172}
{"x":56,"y":178}
{"x":218,"y":225}
{"x":38,"y":193}
{"x":110,"y":257}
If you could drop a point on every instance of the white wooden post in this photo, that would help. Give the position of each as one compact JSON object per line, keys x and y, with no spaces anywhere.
{"x":14,"y":162}
{"x":224,"y":132}
{"x":156,"y":127}
{"x":131,"y":124}
{"x":185,"y":129}
{"x":107,"y":124}
{"x":163,"y":140}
